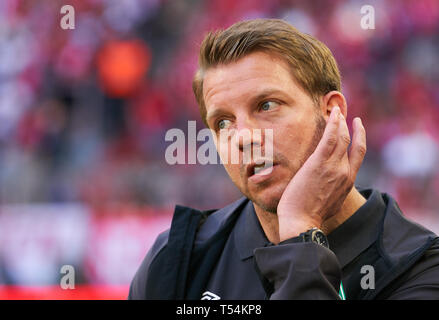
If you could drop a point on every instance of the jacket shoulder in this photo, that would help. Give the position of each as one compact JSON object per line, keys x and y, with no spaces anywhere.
{"x":408,"y":250}
{"x":138,"y":284}
{"x":210,"y":222}
{"x":400,"y":236}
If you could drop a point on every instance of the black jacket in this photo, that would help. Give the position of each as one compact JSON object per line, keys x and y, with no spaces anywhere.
{"x":403,"y":255}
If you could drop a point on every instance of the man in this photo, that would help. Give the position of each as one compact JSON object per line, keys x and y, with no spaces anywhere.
{"x":302,"y":231}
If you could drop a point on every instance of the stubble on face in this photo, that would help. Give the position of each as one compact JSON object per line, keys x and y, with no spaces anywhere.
{"x":271,"y":205}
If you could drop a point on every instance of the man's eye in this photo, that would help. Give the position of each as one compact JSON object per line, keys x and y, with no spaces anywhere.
{"x":267,"y":105}
{"x":222,"y":124}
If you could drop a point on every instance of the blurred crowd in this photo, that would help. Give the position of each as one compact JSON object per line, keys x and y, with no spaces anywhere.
{"x":84,"y":112}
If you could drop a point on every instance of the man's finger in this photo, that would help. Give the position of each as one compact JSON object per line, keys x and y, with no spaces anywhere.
{"x":330,"y":136}
{"x":344,"y":139}
{"x":358,"y":148}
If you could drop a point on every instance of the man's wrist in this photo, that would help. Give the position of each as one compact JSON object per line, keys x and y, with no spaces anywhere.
{"x":294,"y":227}
{"x":314,"y":235}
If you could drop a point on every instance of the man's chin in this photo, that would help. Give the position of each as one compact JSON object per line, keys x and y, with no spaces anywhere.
{"x":267,"y":198}
{"x":267,"y":203}
{"x":267,"y":206}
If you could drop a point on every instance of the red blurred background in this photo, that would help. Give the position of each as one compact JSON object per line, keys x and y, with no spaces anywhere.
{"x":84,"y":112}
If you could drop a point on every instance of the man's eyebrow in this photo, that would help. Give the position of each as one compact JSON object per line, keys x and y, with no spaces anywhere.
{"x":265,"y":94}
{"x":213,"y":114}
{"x":253,"y":100}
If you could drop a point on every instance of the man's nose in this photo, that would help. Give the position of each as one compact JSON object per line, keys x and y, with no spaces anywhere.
{"x":248,"y":135}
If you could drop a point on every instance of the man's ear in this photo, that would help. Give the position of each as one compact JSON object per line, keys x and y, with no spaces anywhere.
{"x":332,"y":99}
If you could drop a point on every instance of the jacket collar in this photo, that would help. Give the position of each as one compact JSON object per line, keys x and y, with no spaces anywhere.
{"x":347,"y":241}
{"x":360,"y":230}
{"x":248,"y":233}
{"x":218,"y":219}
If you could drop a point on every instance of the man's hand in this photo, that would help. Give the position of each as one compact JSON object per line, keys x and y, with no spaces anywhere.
{"x":321,"y":185}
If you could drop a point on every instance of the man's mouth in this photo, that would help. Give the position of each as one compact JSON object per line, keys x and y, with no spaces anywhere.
{"x":263,"y":168}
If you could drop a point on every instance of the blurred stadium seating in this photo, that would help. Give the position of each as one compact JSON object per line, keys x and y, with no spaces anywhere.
{"x":84,"y":112}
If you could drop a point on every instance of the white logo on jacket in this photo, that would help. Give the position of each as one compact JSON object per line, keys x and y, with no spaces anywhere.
{"x":210,"y":296}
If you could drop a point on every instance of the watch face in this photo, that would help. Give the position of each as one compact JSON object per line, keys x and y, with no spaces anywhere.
{"x":320,"y":238}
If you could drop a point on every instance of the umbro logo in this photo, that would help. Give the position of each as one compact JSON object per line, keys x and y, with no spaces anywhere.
{"x":209,"y":296}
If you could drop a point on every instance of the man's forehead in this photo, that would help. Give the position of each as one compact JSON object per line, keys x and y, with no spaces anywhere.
{"x":248,"y":76}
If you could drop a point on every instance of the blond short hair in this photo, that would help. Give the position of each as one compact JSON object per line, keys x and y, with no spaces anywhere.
{"x":312,"y":64}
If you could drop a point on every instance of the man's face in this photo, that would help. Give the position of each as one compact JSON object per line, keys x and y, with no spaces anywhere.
{"x":258,"y":92}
